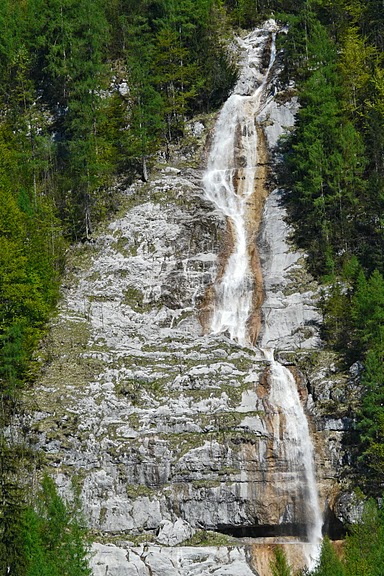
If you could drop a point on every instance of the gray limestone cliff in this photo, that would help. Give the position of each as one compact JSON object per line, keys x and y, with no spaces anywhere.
{"x":165,"y":430}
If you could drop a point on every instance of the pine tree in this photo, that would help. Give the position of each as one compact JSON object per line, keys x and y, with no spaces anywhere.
{"x":174,"y":80}
{"x":364,"y":550}
{"x":326,"y":162}
{"x":145,"y":117}
{"x":12,"y":504}
{"x":55,"y":543}
{"x":368,"y":310}
{"x":71,"y":44}
{"x":329,"y":564}
{"x":354,"y":65}
{"x":279,"y":565}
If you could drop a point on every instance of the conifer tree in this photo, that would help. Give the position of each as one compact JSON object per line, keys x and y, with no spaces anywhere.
{"x":329,"y":564}
{"x":326,"y":161}
{"x":174,"y":80}
{"x":145,"y":116}
{"x":364,"y":553}
{"x":54,"y":541}
{"x":279,"y":565}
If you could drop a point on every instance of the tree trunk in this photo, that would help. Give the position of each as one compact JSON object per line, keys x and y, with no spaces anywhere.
{"x":144,"y":169}
{"x":88,"y":223}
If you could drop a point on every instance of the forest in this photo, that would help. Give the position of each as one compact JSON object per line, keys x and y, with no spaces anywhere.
{"x":90,"y":92}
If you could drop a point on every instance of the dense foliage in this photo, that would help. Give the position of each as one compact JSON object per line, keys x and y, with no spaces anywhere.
{"x":48,"y":539}
{"x":334,"y":169}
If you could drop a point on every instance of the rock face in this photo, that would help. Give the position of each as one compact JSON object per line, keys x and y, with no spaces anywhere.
{"x":166,"y":430}
{"x":291,"y":317}
{"x":156,"y":561}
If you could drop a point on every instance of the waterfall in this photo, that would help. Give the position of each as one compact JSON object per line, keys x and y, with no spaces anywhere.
{"x":229,"y":183}
{"x":293,"y":438}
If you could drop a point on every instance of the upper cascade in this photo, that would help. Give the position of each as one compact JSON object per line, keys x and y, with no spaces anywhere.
{"x":229,"y":182}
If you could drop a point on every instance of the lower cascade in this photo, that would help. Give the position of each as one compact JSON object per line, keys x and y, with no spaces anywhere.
{"x":295,"y":442}
{"x":230,"y":183}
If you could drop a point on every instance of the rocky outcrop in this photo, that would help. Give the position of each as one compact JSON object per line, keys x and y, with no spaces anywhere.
{"x":164,"y":429}
{"x":155,"y":561}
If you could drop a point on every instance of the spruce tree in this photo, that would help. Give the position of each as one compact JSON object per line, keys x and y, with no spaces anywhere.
{"x":55,"y":543}
{"x":364,"y":550}
{"x":329,"y":563}
{"x":279,"y":565}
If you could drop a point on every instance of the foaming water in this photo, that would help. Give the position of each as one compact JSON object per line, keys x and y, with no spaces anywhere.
{"x":294,"y":441}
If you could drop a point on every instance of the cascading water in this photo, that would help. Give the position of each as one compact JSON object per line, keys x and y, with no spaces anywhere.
{"x":294,"y":441}
{"x":229,"y":183}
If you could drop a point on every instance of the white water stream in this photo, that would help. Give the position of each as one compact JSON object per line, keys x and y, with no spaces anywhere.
{"x":294,"y":440}
{"x":229,"y":181}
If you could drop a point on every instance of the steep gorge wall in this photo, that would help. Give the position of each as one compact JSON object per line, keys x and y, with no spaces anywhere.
{"x":166,"y":429}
